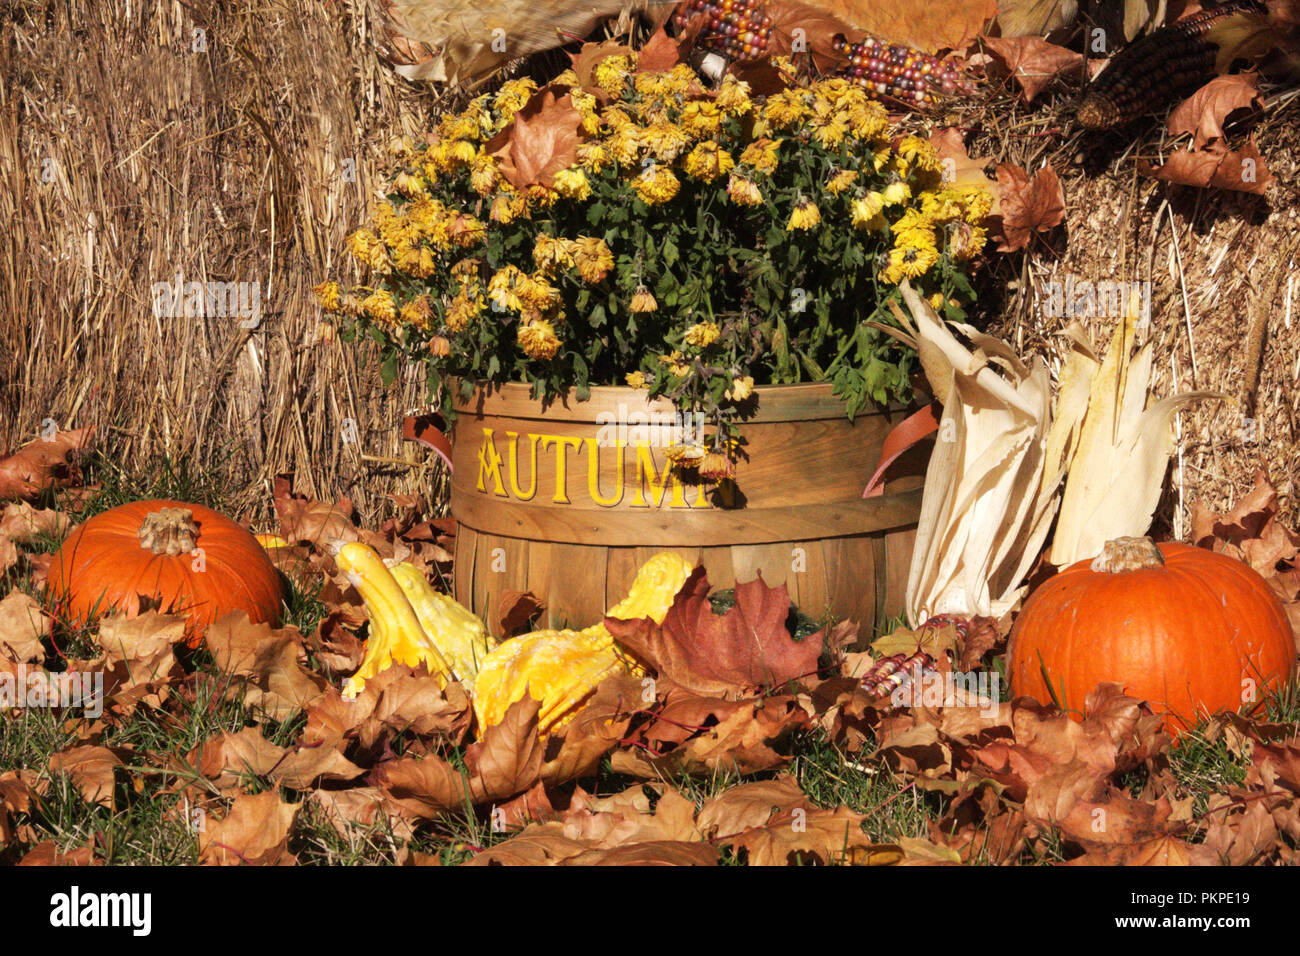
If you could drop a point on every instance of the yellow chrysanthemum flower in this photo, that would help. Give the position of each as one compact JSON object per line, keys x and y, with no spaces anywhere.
{"x":572,"y":184}
{"x":419,"y":313}
{"x":806,"y":215}
{"x":656,"y":184}
{"x":741,"y":388}
{"x":327,"y":294}
{"x":701,"y":118}
{"x":743,"y":191}
{"x":507,"y":207}
{"x":702,"y":334}
{"x":592,"y":156}
{"x":465,"y":307}
{"x":635,"y":379}
{"x":785,"y":109}
{"x":841,"y":181}
{"x":908,"y":263}
{"x":676,"y":363}
{"x":483,"y":175}
{"x":643,"y":301}
{"x":367,"y":249}
{"x":868,"y":120}
{"x":502,"y":286}
{"x":594,"y":258}
{"x":664,"y":141}
{"x":535,"y":292}
{"x":512,"y":96}
{"x":707,"y":161}
{"x":552,"y":255}
{"x":612,"y":72}
{"x":380,"y":307}
{"x":538,"y":340}
{"x":761,"y":155}
{"x":913,"y":228}
{"x":733,"y":96}
{"x":896,"y":193}
{"x":410,"y":185}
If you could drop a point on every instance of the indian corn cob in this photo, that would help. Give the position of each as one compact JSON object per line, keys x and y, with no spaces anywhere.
{"x":741,"y":30}
{"x":1161,"y":68}
{"x":899,"y":72}
{"x":738,"y":29}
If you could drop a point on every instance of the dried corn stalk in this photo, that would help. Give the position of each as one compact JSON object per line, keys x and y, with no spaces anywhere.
{"x":990,"y":489}
{"x":455,"y":41}
{"x":1122,"y":448}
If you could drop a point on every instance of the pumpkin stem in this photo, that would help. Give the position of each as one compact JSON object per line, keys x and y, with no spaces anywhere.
{"x":169,"y":531}
{"x":1127,"y":554}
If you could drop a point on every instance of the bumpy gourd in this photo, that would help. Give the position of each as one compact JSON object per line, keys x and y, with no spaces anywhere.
{"x":562,"y":668}
{"x":395,"y":631}
{"x":454,"y":630}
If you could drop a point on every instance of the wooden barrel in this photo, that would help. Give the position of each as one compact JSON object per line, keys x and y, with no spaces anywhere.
{"x":567,"y":502}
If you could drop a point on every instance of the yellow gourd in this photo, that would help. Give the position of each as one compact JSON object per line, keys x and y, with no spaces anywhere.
{"x":563,"y":668}
{"x":395,"y":631}
{"x":458,"y":634}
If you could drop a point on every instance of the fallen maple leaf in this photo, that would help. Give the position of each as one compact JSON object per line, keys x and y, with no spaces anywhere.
{"x":1034,"y":17}
{"x":515,"y":609}
{"x":807,"y":29}
{"x":1028,"y":205}
{"x":232,"y":761}
{"x":266,"y":659}
{"x":306,"y":521}
{"x":255,"y":832}
{"x":750,"y":805}
{"x":43,"y":464}
{"x":1205,"y":111}
{"x":1216,"y":167}
{"x":1033,"y":62}
{"x":929,"y":25}
{"x":90,"y":769}
{"x":48,"y":853}
{"x":505,"y":763}
{"x":541,"y":140}
{"x":798,"y":837}
{"x":702,"y":651}
{"x":22,"y":624}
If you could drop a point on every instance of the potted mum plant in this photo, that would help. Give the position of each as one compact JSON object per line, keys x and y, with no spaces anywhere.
{"x":580,"y":265}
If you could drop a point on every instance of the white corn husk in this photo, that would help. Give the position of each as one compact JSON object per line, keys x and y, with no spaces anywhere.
{"x":994,"y":480}
{"x":986,"y":508}
{"x":458,"y":41}
{"x":1122,"y":448}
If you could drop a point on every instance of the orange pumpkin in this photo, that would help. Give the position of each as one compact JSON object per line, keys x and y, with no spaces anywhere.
{"x":1189,"y":630}
{"x":175,"y":557}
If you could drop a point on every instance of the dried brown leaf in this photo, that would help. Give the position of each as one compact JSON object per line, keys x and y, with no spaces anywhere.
{"x":1033,"y":62}
{"x":705,"y":652}
{"x":1028,"y":205}
{"x":43,"y":464}
{"x":541,"y":140}
{"x":255,"y":832}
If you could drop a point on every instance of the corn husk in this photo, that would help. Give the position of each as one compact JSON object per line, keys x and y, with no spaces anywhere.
{"x":1122,"y":448}
{"x":994,"y":481}
{"x":986,"y":509}
{"x":455,"y":41}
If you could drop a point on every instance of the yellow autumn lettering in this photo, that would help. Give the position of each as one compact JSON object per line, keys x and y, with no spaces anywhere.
{"x":513,"y":471}
{"x":593,"y":474}
{"x":562,"y":445}
{"x":489,"y":465}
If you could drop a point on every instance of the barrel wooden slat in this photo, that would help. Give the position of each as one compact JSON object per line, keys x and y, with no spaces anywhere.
{"x":576,"y":585}
{"x":581,"y":504}
{"x":620,"y":566}
{"x":898,"y":557}
{"x":814,"y":597}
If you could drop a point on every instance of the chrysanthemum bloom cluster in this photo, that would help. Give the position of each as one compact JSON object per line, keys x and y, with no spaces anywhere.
{"x":694,"y":242}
